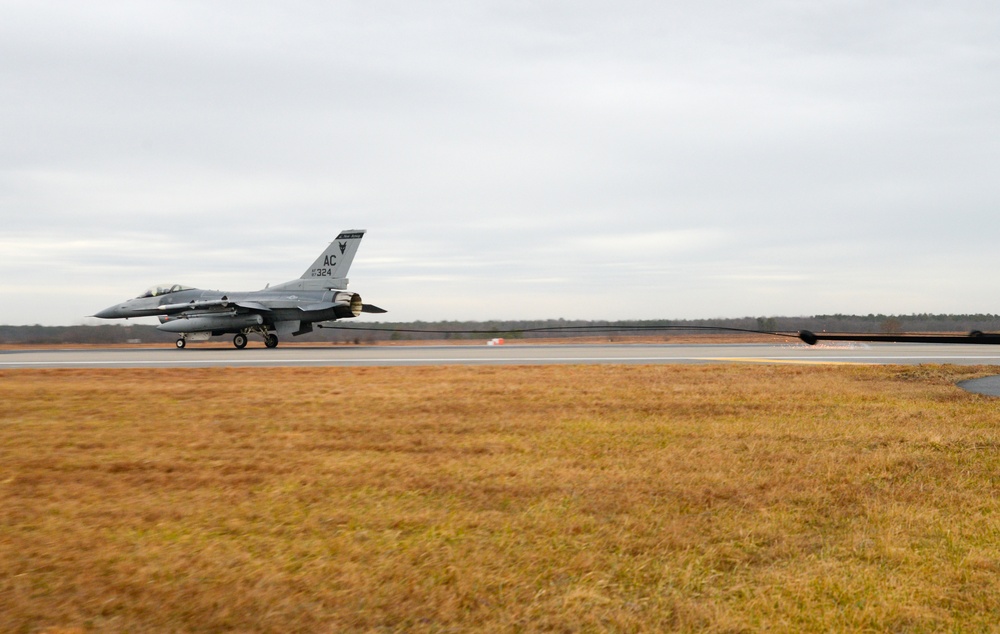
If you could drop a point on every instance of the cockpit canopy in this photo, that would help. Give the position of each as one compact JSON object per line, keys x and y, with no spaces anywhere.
{"x":163,"y":289}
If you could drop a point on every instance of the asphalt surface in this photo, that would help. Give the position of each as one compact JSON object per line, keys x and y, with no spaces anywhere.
{"x":519,"y":354}
{"x":988,"y":385}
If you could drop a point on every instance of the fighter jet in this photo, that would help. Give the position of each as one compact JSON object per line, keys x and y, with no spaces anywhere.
{"x":290,"y":308}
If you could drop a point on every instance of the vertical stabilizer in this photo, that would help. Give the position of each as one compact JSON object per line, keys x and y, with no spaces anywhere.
{"x":330,"y":268}
{"x":332,"y":265}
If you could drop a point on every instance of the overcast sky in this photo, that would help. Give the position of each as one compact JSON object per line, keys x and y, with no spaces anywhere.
{"x":597,"y":160}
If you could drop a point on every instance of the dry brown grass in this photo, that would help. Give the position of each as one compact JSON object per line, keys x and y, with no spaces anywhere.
{"x":638,"y":498}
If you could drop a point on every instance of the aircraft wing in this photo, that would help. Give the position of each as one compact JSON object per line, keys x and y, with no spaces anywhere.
{"x":173,"y":309}
{"x":254,"y":306}
{"x":974,"y":337}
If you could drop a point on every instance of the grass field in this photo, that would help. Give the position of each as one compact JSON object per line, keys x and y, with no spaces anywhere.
{"x":623,"y":498}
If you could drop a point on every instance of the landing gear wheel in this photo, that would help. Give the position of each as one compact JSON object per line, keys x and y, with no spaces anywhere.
{"x":271,"y":341}
{"x":240,"y":341}
{"x":181,"y":343}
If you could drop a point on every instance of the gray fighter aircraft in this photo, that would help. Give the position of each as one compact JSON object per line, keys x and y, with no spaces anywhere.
{"x":290,"y":308}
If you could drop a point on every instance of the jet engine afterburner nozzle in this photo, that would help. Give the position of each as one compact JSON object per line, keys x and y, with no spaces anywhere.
{"x":352,"y":304}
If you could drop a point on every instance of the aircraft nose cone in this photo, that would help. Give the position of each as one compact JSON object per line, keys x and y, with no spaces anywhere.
{"x":110,"y":312}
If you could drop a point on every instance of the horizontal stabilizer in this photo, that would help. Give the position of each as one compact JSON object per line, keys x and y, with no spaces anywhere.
{"x":319,"y":306}
{"x":341,"y":310}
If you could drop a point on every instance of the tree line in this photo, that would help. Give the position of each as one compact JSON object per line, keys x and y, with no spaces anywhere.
{"x":357,"y":332}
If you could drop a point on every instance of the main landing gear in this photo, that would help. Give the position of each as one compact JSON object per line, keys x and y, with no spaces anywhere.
{"x":181,"y":342}
{"x":270,"y":340}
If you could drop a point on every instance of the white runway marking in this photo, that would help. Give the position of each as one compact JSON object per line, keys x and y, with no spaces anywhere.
{"x":500,"y":355}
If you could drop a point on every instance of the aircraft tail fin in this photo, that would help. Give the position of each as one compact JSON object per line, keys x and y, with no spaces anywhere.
{"x":330,"y":268}
{"x":336,"y":259}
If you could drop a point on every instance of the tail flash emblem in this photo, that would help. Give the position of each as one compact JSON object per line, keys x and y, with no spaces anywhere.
{"x":343,"y":246}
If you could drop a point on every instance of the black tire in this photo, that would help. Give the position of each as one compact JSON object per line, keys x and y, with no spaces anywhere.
{"x":240,"y":341}
{"x":271,"y":341}
{"x":181,"y":343}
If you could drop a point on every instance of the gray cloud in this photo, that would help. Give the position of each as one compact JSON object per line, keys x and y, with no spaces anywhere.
{"x":586,"y":159}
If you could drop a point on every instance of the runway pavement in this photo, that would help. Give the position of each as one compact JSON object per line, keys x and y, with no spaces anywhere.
{"x":333,"y":356}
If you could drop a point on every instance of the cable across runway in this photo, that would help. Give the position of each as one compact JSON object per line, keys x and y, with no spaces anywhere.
{"x":511,"y":354}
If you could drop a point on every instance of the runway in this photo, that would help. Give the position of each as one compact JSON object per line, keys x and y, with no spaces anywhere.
{"x":518,"y":354}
